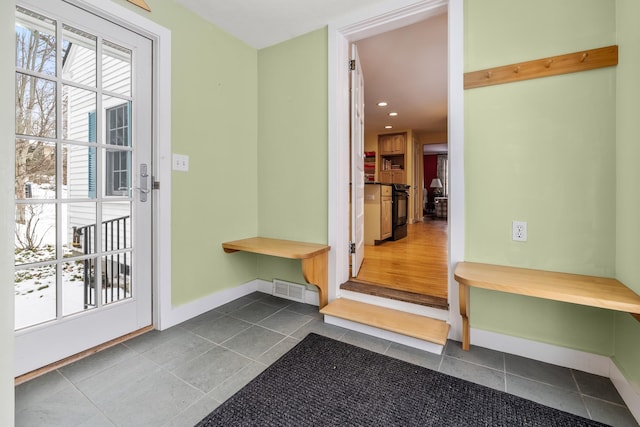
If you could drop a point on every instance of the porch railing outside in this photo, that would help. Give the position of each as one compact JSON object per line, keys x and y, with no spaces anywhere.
{"x":116,"y":270}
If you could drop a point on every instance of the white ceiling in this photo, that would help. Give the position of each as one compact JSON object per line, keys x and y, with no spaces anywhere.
{"x":262,"y":23}
{"x":406,"y":67}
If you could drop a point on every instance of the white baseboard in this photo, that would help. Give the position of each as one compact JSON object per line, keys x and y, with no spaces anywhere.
{"x":556,"y":355}
{"x":264,"y":286}
{"x":181,"y":313}
{"x":629,"y":392}
{"x":386,"y":335}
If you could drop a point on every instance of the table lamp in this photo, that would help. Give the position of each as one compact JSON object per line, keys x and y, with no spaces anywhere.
{"x":436,"y":184}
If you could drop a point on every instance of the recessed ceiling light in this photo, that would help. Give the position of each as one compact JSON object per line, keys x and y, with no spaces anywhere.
{"x":393,"y":114}
{"x":382,"y":104}
{"x":388,"y":127}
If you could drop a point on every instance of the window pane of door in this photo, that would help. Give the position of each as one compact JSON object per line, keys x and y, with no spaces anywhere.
{"x":78,"y":286}
{"x":35,"y":42}
{"x":35,"y":233}
{"x":117,"y":277}
{"x":81,"y":54}
{"x":116,"y":68}
{"x":35,"y":106}
{"x":79,"y":232}
{"x":35,"y":170}
{"x":35,"y":300}
{"x":78,"y":106}
{"x":79,"y":172}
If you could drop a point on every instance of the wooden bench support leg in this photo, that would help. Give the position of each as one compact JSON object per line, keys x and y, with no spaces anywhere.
{"x":464,"y":312}
{"x":315,"y":272}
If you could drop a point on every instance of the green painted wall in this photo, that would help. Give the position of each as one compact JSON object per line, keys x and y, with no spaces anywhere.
{"x":627,"y":350}
{"x":214,"y":121}
{"x":292,"y":147}
{"x":541,"y":151}
{"x":627,"y":347}
{"x":7,"y":218}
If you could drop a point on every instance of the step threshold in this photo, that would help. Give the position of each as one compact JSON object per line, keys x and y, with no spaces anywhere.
{"x":409,"y":324}
{"x":395,"y":294}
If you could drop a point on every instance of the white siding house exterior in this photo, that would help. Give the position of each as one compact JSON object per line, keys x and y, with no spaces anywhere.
{"x":85,"y":129}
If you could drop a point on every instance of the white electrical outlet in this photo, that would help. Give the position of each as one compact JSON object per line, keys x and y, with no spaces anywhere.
{"x":180,"y":162}
{"x":519,"y":231}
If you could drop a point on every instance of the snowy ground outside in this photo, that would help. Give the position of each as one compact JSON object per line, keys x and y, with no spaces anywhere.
{"x":35,"y":290}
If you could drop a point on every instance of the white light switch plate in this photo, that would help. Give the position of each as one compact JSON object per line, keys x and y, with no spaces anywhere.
{"x":180,"y":162}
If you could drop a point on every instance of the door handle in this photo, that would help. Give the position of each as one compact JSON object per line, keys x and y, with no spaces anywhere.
{"x":144,"y":182}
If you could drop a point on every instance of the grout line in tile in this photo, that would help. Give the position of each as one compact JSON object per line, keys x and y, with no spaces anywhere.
{"x":253,"y":323}
{"x":504,"y":371}
{"x":440,"y":363}
{"x":474,"y":363}
{"x":547,"y":384}
{"x":95,"y":406}
{"x":584,"y":403}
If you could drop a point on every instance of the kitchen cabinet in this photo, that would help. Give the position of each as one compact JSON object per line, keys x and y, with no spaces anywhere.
{"x":392,"y":144}
{"x":377,"y":213}
{"x":393,"y":177}
{"x":392,"y":158}
{"x":386,"y":206}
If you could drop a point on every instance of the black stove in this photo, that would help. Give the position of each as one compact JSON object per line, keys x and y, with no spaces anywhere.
{"x":399,"y":211}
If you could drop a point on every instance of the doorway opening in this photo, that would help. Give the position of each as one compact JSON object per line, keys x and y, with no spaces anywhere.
{"x":405,"y":105}
{"x":341,"y":35}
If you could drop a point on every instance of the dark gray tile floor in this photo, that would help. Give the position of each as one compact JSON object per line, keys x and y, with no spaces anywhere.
{"x":176,"y":377}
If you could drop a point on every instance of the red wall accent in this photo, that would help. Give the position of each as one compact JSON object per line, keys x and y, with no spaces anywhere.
{"x":430,"y":171}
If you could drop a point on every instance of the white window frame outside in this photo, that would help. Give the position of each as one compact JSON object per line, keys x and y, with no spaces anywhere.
{"x":111,"y":169}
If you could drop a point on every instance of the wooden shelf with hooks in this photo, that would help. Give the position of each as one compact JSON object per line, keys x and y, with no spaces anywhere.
{"x":555,"y":65}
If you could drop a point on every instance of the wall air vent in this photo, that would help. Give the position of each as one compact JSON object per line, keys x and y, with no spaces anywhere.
{"x":292,"y":291}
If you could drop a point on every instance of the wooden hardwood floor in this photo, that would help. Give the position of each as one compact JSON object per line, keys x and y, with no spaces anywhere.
{"x":417,"y":263}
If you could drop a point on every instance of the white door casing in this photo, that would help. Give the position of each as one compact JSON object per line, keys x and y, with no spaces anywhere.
{"x":357,"y":165}
{"x":109,"y":317}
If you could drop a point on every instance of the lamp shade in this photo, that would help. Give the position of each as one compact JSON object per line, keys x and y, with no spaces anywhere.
{"x":436,"y":183}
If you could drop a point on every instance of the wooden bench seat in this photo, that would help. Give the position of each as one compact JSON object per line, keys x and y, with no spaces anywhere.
{"x":314,"y":256}
{"x":593,"y":291}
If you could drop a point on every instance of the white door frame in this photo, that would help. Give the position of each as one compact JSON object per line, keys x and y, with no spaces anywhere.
{"x":376,"y":20}
{"x":161,"y":140}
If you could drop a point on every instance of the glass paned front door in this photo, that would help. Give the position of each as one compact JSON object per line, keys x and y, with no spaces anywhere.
{"x":75,"y":207}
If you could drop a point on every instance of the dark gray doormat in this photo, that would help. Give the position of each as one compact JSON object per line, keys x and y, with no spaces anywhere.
{"x":323,"y":382}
